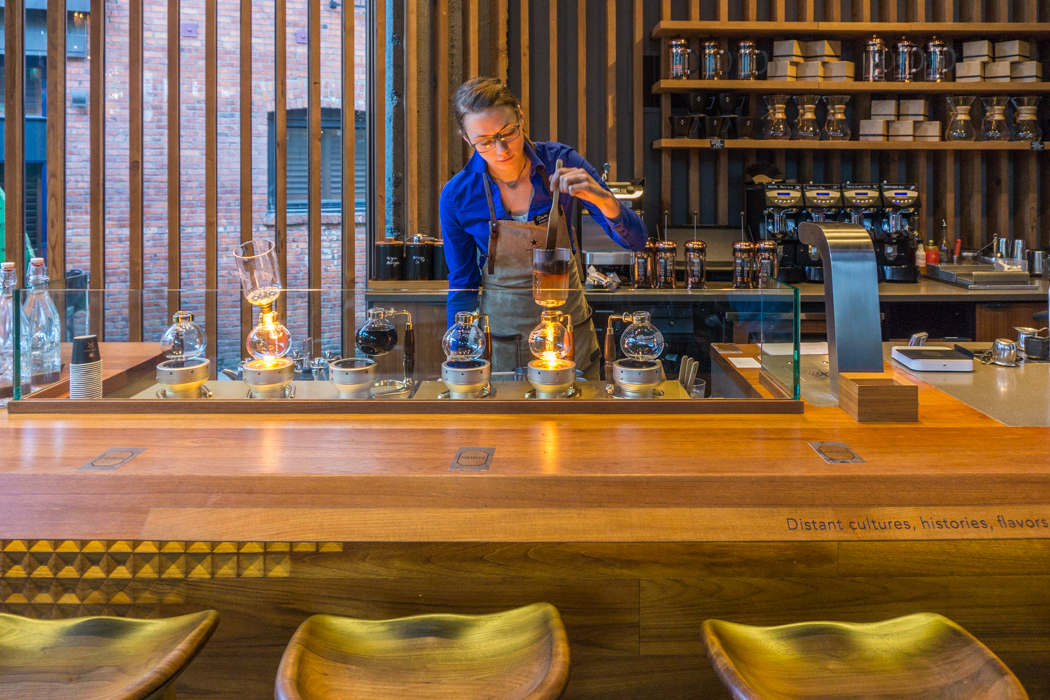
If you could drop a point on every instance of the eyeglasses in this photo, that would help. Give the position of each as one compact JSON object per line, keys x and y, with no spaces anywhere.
{"x":506,"y":136}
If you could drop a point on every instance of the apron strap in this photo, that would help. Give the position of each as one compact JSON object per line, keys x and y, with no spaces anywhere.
{"x":493,"y":226}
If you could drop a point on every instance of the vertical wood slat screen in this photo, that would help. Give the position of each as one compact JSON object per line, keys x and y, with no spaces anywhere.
{"x":280,"y":120}
{"x":56,"y":143}
{"x":211,"y":179}
{"x":246,"y":151}
{"x":14,"y":138}
{"x":313,"y":79}
{"x":174,"y":160}
{"x":135,"y":175}
{"x":349,"y":195}
{"x":97,"y":111}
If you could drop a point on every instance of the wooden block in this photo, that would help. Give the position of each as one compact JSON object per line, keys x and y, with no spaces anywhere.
{"x":878,"y":398}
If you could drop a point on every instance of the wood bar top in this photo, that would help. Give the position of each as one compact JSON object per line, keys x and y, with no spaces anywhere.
{"x":575,"y":477}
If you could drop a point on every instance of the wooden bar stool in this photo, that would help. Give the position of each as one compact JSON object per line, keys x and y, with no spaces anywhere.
{"x":923,"y":656}
{"x":91,"y":658}
{"x":512,"y":655}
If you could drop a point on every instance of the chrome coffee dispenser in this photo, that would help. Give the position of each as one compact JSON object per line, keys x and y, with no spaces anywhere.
{"x":771,"y":212}
{"x":895,"y":244}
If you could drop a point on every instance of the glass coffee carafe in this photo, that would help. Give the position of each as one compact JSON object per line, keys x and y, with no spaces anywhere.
{"x":777,"y":127}
{"x":836,"y":126}
{"x":994,"y":127}
{"x":679,"y":54}
{"x":1026,"y":121}
{"x":876,"y":60}
{"x":960,"y":126}
{"x":550,"y":276}
{"x":807,"y":128}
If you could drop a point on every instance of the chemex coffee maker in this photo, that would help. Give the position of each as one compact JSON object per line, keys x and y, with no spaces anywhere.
{"x":772,"y":211}
{"x":468,"y":367}
{"x":822,"y":203}
{"x":894,"y":242}
{"x":637,"y":375}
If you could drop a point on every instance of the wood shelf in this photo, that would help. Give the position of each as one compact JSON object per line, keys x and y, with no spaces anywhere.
{"x":779,"y":30}
{"x":805,"y":87}
{"x":761,"y":144}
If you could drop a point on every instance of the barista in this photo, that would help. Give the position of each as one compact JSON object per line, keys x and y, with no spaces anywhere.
{"x":494,"y":212}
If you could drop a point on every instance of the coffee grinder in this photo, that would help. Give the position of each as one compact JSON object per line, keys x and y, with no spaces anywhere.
{"x":895,"y":246}
{"x":863,"y":206}
{"x":823,"y":203}
{"x":771,"y":212}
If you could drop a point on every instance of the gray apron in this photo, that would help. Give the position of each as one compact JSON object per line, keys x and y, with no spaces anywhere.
{"x":506,"y":295}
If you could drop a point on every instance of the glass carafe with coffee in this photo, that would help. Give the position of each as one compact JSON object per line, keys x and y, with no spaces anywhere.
{"x":379,"y":336}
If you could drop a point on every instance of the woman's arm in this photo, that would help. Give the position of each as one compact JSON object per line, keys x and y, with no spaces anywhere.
{"x":580,"y":180}
{"x":461,"y":254}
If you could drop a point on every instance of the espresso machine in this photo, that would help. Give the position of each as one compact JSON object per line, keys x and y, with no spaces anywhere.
{"x":894,"y":242}
{"x":771,"y":211}
{"x":822,"y":203}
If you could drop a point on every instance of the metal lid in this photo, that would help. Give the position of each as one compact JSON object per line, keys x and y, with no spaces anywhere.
{"x":695,"y":245}
{"x":747,"y":44}
{"x":666,"y":246}
{"x":905,"y":42}
{"x":678,"y":41}
{"x":712,"y":44}
{"x":767,"y":245}
{"x":743,"y":247}
{"x":390,"y":241}
{"x":935,"y":42}
{"x":650,"y":244}
{"x":876,"y":42}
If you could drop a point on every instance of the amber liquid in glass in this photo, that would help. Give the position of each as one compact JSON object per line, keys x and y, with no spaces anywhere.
{"x":550,"y":287}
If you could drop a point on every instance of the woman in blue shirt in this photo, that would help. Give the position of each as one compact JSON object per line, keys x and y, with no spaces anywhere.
{"x":494,"y":212}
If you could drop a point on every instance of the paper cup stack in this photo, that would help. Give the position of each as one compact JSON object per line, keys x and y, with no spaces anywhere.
{"x":85,"y":369}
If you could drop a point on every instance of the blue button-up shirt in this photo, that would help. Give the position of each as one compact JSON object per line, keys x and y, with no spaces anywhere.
{"x":464,"y":213}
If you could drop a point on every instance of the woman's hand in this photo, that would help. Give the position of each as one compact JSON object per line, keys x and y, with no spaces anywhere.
{"x":579,"y":183}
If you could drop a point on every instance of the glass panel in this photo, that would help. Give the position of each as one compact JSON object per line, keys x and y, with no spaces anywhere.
{"x":670,"y":345}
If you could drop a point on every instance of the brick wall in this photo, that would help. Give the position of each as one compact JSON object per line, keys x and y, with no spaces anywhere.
{"x":191,"y":91}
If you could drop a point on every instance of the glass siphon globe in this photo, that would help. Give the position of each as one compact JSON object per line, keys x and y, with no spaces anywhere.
{"x":269,"y":340}
{"x":551,"y":339}
{"x":184,"y":339}
{"x":960,"y":126}
{"x":994,"y":127}
{"x":642,"y":340}
{"x":258,"y":271}
{"x":378,"y":336}
{"x":463,"y":340}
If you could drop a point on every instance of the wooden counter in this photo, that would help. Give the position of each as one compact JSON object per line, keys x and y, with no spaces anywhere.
{"x":637,"y":528}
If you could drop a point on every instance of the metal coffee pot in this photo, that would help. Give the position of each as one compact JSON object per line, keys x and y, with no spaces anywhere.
{"x":679,"y":52}
{"x":751,"y":62}
{"x":715,"y":62}
{"x":906,"y":70}
{"x":1004,"y":353}
{"x":876,"y":60}
{"x":940,"y":60}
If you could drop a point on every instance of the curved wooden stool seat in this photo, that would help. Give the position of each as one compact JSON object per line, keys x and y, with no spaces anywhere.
{"x":91,"y":658}
{"x":923,"y":656}
{"x":516,"y":654}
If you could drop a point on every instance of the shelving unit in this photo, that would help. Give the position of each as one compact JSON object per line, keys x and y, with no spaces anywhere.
{"x":760,"y":145}
{"x":807,"y":87}
{"x":978,"y":188}
{"x":836,"y":30}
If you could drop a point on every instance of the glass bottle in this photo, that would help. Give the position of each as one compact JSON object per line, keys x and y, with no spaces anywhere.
{"x":807,"y":128}
{"x":960,"y":127}
{"x":836,"y":126}
{"x":945,"y":253}
{"x":777,"y":127}
{"x":184,"y":339}
{"x":994,"y":127}
{"x":8,"y":282}
{"x":1026,"y":120}
{"x":45,"y":361}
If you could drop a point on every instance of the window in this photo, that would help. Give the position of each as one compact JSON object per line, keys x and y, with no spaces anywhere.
{"x":331,"y":161}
